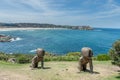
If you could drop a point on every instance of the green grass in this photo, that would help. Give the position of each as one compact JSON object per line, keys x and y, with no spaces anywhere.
{"x":102,"y":62}
{"x":8,"y":65}
{"x":63,"y":70}
{"x":114,"y":77}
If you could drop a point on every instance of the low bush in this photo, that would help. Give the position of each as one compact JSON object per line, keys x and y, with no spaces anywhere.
{"x":23,"y":59}
{"x":103,"y":57}
{"x":73,"y":54}
{"x":94,"y":58}
{"x":3,"y":56}
{"x":114,"y":53}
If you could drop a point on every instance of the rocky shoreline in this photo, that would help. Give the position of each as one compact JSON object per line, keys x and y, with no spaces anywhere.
{"x":6,"y":38}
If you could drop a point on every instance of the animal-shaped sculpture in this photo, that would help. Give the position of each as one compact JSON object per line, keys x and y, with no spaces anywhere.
{"x":86,"y":57}
{"x":39,"y":57}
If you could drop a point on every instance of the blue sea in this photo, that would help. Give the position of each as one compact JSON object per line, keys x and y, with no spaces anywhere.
{"x":60,"y":41}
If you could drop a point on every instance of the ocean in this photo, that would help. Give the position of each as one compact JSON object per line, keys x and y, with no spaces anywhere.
{"x":60,"y":41}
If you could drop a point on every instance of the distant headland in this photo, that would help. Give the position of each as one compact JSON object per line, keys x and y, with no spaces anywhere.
{"x":39,"y":25}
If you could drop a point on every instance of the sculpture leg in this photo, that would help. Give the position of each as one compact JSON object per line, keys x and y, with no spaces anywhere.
{"x":91,"y":66}
{"x":34,"y":62}
{"x":42,"y":63}
{"x":80,"y":66}
{"x":36,"y":65}
{"x":84,"y":67}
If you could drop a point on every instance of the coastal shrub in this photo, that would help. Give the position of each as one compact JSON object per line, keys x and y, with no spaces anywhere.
{"x":17,"y":54}
{"x":48,"y":58}
{"x":94,"y":58}
{"x":3,"y":56}
{"x":54,"y":58}
{"x":103,"y":57}
{"x":72,"y":58}
{"x":114,"y":53}
{"x":61,"y":58}
{"x":21,"y":54}
{"x":49,"y":54}
{"x":73,"y":54}
{"x":26,"y":58}
{"x":23,"y":59}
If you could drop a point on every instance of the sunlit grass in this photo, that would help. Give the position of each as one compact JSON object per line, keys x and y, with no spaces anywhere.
{"x":63,"y":70}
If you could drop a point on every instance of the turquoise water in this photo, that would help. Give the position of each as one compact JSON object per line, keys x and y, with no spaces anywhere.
{"x":60,"y":41}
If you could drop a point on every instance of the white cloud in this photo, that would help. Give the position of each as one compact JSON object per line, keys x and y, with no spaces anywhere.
{"x":48,"y":11}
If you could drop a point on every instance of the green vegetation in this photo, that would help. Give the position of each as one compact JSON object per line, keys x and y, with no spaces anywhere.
{"x":20,"y":58}
{"x":102,"y":57}
{"x":71,"y":56}
{"x":23,"y":59}
{"x":3,"y":56}
{"x":114,"y":77}
{"x":65,"y":70}
{"x":114,"y":53}
{"x":56,"y":70}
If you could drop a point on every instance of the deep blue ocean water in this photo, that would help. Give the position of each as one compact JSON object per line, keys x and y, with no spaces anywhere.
{"x":60,"y":41}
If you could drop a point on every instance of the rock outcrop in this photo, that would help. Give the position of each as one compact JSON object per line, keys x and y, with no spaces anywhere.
{"x":5,"y":38}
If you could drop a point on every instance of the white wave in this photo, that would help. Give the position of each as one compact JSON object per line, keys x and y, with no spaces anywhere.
{"x":33,"y":50}
{"x":16,"y":39}
{"x":10,"y":53}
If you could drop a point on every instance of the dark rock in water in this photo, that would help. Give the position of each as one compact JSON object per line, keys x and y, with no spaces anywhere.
{"x":5,"y":38}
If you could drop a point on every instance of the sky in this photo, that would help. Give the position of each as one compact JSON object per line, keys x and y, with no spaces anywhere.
{"x":95,"y":13}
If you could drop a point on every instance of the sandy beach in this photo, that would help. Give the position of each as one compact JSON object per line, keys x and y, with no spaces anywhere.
{"x":11,"y":29}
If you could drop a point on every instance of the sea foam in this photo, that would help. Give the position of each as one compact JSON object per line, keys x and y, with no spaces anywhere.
{"x":34,"y":50}
{"x":16,"y":39}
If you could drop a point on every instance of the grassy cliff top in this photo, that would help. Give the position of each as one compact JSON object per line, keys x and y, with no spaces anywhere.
{"x":103,"y":70}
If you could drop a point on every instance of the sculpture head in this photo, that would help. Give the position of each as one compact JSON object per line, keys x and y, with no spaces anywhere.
{"x":86,"y":52}
{"x":40,"y":52}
